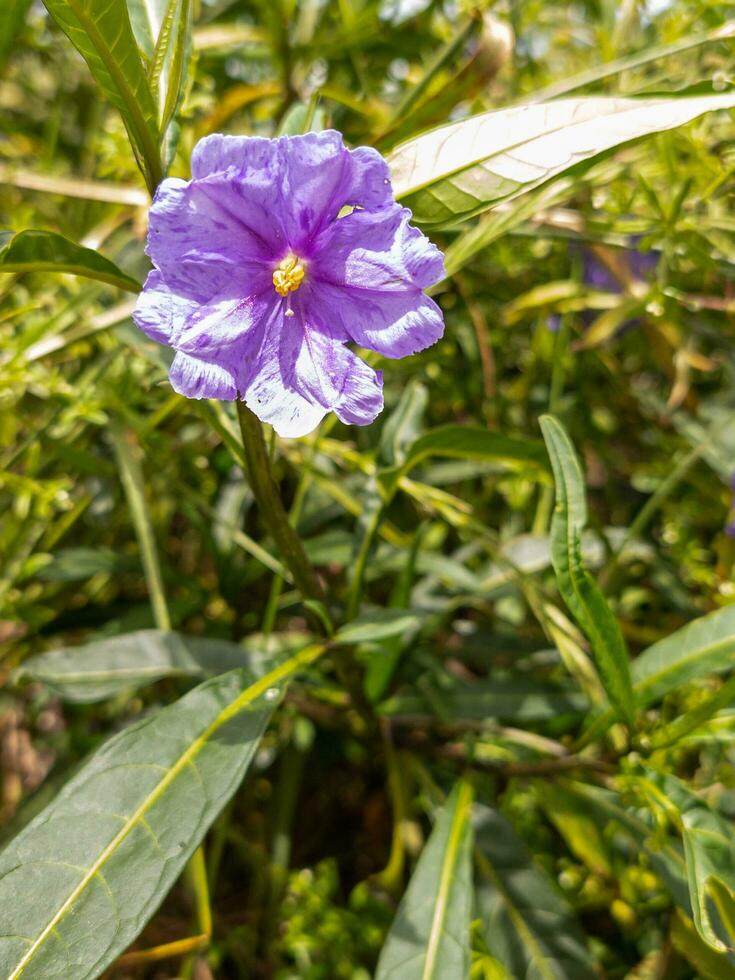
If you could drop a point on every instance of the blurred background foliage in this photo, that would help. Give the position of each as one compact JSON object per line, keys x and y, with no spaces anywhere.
{"x":609,"y":303}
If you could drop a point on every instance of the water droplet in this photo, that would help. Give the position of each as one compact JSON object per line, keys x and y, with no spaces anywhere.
{"x":271,"y":694}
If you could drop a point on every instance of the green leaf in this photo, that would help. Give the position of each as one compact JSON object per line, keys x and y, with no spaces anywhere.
{"x":146,"y":21}
{"x":101,"y":33}
{"x":709,"y":851}
{"x":527,"y":923}
{"x":517,"y":700}
{"x":79,"y":883}
{"x":462,"y":442}
{"x":377,"y":624}
{"x":45,"y":251}
{"x":577,"y":587}
{"x":706,"y":961}
{"x":461,"y":169}
{"x":430,"y":936}
{"x":704,"y":646}
{"x":102,"y":669}
{"x":701,"y":648}
{"x":170,"y":60}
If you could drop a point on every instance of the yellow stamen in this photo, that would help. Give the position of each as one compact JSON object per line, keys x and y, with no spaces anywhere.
{"x":288,"y":275}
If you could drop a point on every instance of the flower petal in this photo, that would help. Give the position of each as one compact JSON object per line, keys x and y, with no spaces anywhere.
{"x":394,"y":324}
{"x":218,"y":328}
{"x":195,"y":378}
{"x":304,"y":180}
{"x":301,"y":372}
{"x":377,"y":250}
{"x":159,"y":313}
{"x":198,"y":238}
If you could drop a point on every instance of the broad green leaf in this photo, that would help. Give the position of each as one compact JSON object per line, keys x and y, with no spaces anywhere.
{"x":377,"y":624}
{"x":79,"y":883}
{"x":430,"y":936}
{"x":527,"y":923}
{"x":104,"y":668}
{"x":515,"y":699}
{"x":577,"y":587}
{"x":461,"y":169}
{"x":101,"y":33}
{"x":45,"y":251}
{"x":462,"y":442}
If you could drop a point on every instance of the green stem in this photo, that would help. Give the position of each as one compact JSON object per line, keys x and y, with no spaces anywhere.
{"x":271,"y":506}
{"x":196,"y":871}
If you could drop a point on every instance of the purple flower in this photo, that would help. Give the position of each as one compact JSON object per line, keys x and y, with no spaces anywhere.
{"x":273,"y":257}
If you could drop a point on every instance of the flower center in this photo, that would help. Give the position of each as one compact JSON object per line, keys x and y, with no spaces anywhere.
{"x":288,"y":275}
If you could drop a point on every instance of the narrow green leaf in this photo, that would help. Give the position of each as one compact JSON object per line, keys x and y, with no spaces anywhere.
{"x":461,"y":442}
{"x":704,"y":646}
{"x":709,"y":850}
{"x":709,"y":853}
{"x":79,"y":883}
{"x":45,"y":251}
{"x":146,"y":21}
{"x":170,"y":61}
{"x":461,"y":169}
{"x":514,"y":700}
{"x":377,"y":624}
{"x":527,"y":923}
{"x":577,"y":587}
{"x":101,"y":33}
{"x":706,"y":961}
{"x":104,"y":668}
{"x":430,"y":936}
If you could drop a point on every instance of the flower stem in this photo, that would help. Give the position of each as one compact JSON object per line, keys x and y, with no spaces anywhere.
{"x":271,"y":506}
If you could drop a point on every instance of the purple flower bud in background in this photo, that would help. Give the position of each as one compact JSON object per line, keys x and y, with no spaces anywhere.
{"x":730,"y":529}
{"x":273,"y":257}
{"x":553,"y":323}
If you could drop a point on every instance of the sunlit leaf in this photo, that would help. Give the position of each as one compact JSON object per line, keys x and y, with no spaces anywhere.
{"x":460,"y":169}
{"x":430,"y":936}
{"x":45,"y":251}
{"x":527,"y":923}
{"x":576,"y":586}
{"x":101,"y":33}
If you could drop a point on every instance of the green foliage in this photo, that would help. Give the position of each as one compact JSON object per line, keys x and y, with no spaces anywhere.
{"x":430,"y":937}
{"x":442,"y":786}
